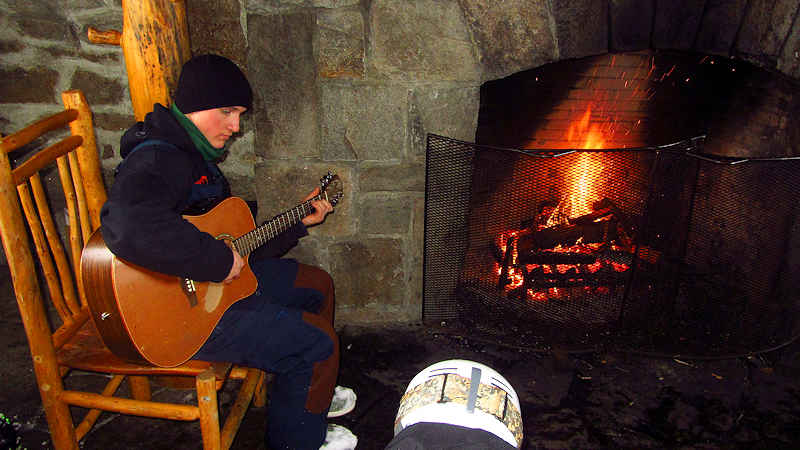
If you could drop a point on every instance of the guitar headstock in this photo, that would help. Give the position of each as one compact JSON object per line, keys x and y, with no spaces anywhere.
{"x":331,"y":185}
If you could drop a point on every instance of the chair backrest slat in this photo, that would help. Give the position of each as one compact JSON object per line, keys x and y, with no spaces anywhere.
{"x":80,"y":193}
{"x":55,"y":246}
{"x":42,"y":250}
{"x":26,"y":135}
{"x":74,"y":239}
{"x":45,"y":157}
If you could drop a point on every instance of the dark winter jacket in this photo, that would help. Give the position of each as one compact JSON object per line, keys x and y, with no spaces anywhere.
{"x":154,"y":186}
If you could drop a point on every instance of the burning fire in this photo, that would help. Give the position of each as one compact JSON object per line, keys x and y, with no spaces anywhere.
{"x":582,"y":242}
{"x":582,"y":200}
{"x":583,"y":131}
{"x":579,"y":181}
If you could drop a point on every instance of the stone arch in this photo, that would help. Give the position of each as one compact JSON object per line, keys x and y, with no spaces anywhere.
{"x":764,"y":35}
{"x":521,"y":36}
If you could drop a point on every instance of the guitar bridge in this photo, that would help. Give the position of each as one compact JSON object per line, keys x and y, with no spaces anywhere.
{"x":190,"y":290}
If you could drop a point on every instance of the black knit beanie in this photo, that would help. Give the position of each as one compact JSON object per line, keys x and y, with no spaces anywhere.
{"x":211,"y":81}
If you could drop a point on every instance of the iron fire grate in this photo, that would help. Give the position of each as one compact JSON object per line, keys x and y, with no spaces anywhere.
{"x":658,"y":248}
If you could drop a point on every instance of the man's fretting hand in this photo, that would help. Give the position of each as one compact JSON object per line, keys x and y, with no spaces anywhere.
{"x":321,"y":209}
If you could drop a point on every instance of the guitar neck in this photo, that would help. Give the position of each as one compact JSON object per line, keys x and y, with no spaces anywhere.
{"x":270,"y":229}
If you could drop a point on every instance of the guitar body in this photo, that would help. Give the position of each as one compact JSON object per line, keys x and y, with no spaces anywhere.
{"x":146,"y":316}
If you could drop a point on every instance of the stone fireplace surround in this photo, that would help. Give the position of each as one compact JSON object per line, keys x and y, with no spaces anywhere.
{"x":357,"y":85}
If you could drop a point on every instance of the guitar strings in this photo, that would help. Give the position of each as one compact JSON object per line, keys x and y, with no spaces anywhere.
{"x":255,"y":238}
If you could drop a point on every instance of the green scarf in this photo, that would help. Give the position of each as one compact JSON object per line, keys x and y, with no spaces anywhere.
{"x":209,"y":152}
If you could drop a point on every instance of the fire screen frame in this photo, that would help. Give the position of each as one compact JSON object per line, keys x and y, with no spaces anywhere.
{"x":682,"y":214}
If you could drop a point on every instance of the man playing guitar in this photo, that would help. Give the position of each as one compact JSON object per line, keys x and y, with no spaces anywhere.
{"x":286,"y":326}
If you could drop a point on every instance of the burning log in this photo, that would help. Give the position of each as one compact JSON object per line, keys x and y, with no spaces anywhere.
{"x":594,"y":250}
{"x":607,"y":205}
{"x":567,"y":235}
{"x":592,"y":216}
{"x":507,"y":260}
{"x":570,"y":280}
{"x":549,"y":276}
{"x":553,"y":257}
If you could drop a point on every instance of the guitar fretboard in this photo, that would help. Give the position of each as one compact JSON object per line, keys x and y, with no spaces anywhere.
{"x":259,"y":236}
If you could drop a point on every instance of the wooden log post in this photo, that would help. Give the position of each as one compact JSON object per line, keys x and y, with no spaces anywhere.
{"x":88,"y":156}
{"x":155,"y":43}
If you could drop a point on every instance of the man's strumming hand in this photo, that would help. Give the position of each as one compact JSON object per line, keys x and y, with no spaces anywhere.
{"x":236,"y":268}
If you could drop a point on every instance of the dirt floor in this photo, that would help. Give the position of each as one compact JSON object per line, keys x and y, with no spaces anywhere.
{"x":569,"y":399}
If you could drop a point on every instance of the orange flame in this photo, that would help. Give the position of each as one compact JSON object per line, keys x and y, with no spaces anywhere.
{"x":582,"y":195}
{"x":588,"y":135}
{"x":579,"y":180}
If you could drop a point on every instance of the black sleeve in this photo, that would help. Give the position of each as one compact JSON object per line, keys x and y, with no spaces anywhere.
{"x":142,"y":224}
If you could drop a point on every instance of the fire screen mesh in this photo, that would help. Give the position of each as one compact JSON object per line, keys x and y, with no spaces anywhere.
{"x":657,"y":248}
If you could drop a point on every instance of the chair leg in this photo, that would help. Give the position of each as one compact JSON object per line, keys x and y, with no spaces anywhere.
{"x":51,"y":387}
{"x":260,"y":397}
{"x":239,"y":407}
{"x":140,"y":387}
{"x":209,"y":410}
{"x":59,"y":418}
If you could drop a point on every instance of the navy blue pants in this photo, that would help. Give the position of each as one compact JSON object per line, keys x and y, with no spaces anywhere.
{"x":286,"y":328}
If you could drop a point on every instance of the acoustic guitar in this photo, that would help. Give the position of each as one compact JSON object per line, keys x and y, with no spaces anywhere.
{"x":149,"y":317}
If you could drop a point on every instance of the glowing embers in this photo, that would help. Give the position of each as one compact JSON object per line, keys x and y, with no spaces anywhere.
{"x":576,"y":257}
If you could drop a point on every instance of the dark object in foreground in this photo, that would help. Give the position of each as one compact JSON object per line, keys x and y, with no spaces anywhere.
{"x":428,"y":435}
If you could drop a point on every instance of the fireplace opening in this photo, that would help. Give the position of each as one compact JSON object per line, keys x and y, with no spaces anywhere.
{"x":623,"y":229}
{"x":625,"y":100}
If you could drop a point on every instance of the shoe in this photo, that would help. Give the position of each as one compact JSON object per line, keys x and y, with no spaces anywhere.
{"x":344,"y":400}
{"x":339,"y":438}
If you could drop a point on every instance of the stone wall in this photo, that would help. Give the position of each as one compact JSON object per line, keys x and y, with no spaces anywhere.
{"x":355,"y":86}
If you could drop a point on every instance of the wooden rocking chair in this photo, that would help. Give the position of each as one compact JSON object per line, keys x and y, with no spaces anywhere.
{"x":25,"y":217}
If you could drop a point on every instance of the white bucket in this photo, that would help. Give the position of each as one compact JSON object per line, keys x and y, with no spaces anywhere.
{"x":463,"y":393}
